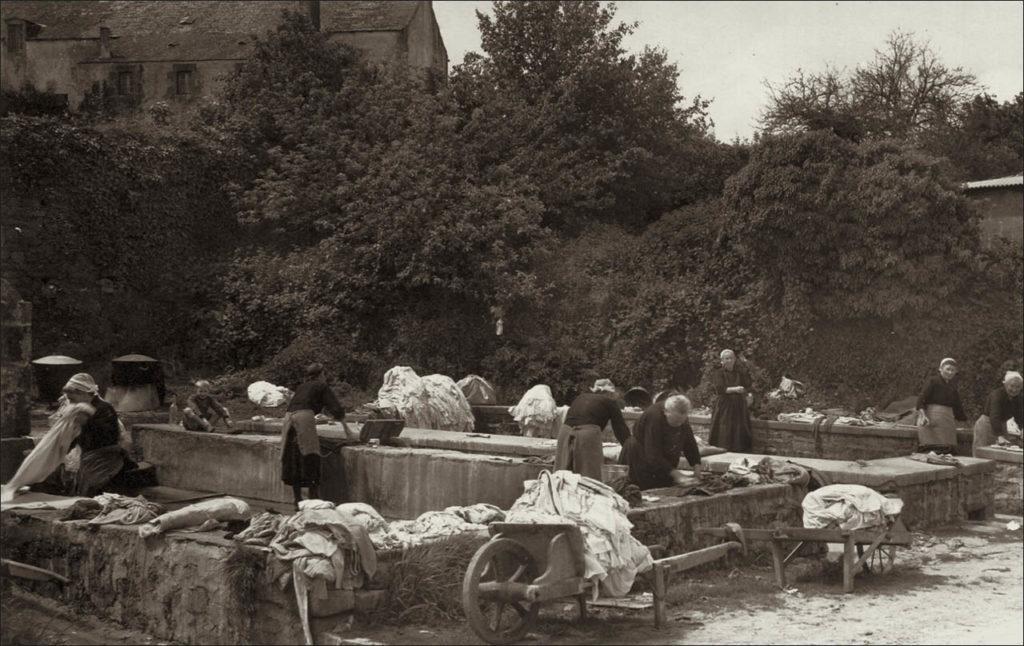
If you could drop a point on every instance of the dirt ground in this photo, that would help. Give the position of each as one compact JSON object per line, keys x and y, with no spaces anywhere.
{"x":958,"y":585}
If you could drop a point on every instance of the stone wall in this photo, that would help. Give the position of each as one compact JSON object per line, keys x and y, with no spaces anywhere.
{"x":1008,"y":479}
{"x":671,"y":521}
{"x":175,"y":586}
{"x":399,"y":482}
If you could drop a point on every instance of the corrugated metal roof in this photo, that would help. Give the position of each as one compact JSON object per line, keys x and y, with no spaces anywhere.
{"x":82,"y":18}
{"x":1012,"y":180}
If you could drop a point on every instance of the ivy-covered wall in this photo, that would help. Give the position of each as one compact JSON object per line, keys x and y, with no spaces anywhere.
{"x":114,"y":236}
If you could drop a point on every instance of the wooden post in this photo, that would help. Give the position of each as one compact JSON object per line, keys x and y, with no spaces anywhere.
{"x":849,"y":561}
{"x":659,"y":596}
{"x":780,"y":564}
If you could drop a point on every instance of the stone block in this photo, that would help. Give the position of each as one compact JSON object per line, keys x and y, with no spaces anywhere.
{"x":12,"y":452}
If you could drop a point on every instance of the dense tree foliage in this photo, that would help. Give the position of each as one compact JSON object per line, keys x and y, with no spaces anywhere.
{"x":605,"y":135}
{"x":987,"y":139}
{"x":372,"y":219}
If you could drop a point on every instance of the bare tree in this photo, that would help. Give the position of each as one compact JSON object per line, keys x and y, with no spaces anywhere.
{"x":904,"y":92}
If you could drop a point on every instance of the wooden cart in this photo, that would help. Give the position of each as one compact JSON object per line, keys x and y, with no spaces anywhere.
{"x":524,"y":565}
{"x":858,"y":545}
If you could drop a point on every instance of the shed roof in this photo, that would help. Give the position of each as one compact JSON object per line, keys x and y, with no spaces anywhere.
{"x":74,"y":19}
{"x":1000,"y":182}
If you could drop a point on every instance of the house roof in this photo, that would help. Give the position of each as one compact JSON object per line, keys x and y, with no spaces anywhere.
{"x":1012,"y":180}
{"x":75,"y":19}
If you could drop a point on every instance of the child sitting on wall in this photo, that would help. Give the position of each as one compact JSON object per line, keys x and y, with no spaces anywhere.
{"x":202,"y":410}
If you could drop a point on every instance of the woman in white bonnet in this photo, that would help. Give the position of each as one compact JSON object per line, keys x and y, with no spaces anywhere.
{"x":1003,"y":404}
{"x":939,"y":409}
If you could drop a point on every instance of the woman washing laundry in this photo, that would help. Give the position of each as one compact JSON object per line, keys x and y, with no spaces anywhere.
{"x":660,"y":437}
{"x":300,"y":446}
{"x":84,"y":420}
{"x":1004,"y":404}
{"x":938,"y":411}
{"x":579,"y":448}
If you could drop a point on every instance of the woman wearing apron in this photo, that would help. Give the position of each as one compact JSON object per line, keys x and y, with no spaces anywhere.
{"x":300,"y":446}
{"x":938,"y":411}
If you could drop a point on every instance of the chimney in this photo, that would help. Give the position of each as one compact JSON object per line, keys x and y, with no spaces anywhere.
{"x":314,"y":13}
{"x":104,"y":42}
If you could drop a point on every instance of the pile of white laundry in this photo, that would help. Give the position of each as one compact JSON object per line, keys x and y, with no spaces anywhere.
{"x":538,"y":414}
{"x":611,"y":554}
{"x":434,"y":401}
{"x":847,"y":506}
{"x":267,"y":395}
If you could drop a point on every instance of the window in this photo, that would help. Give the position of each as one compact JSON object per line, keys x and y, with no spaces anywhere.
{"x":15,"y":37}
{"x":124,"y":83}
{"x":182,"y":82}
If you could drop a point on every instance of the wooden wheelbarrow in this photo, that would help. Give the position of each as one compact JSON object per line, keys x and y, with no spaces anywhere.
{"x":525,"y":565}
{"x":858,"y":545}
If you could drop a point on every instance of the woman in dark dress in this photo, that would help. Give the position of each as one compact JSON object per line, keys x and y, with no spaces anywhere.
{"x":1004,"y":403}
{"x":104,"y":462}
{"x":660,"y":437}
{"x":730,"y":423}
{"x":300,"y":446}
{"x":939,"y":410}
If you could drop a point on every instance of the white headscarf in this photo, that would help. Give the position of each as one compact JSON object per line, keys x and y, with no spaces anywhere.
{"x":82,"y":382}
{"x":1011,"y":376}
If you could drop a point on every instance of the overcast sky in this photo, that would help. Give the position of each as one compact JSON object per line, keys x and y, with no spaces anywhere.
{"x":725,"y":50}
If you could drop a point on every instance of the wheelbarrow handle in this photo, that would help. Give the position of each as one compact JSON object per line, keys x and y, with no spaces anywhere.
{"x":25,"y":571}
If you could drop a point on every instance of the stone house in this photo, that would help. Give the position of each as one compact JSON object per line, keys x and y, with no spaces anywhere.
{"x":1001,"y":202}
{"x":138,"y":52}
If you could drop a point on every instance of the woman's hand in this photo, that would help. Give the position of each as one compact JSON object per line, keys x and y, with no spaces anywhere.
{"x":922,"y":419}
{"x":738,"y":390}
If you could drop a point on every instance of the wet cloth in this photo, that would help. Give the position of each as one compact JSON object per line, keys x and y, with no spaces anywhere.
{"x":225,"y":508}
{"x":579,"y":449}
{"x":611,"y":554}
{"x":124,"y":510}
{"x":936,"y":458}
{"x":261,"y":530}
{"x":847,"y":506}
{"x":49,"y":452}
{"x":300,"y":449}
{"x":941,"y":428}
{"x":730,"y":423}
{"x":655,"y":447}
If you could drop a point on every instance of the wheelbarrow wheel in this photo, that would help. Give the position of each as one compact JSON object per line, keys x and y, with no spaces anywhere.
{"x":500,"y":560}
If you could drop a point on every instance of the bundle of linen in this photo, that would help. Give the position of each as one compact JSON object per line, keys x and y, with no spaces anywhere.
{"x":537,"y":413}
{"x":611,"y":555}
{"x":206,"y":514}
{"x":434,"y":401}
{"x":848,"y":506}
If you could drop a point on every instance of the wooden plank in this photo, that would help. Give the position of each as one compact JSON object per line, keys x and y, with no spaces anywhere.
{"x":689,"y":560}
{"x":864,"y":536}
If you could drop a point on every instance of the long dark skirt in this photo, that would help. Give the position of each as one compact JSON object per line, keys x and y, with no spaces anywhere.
{"x":99,"y":470}
{"x":579,"y":449}
{"x":298,"y":469}
{"x":730,"y":424}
